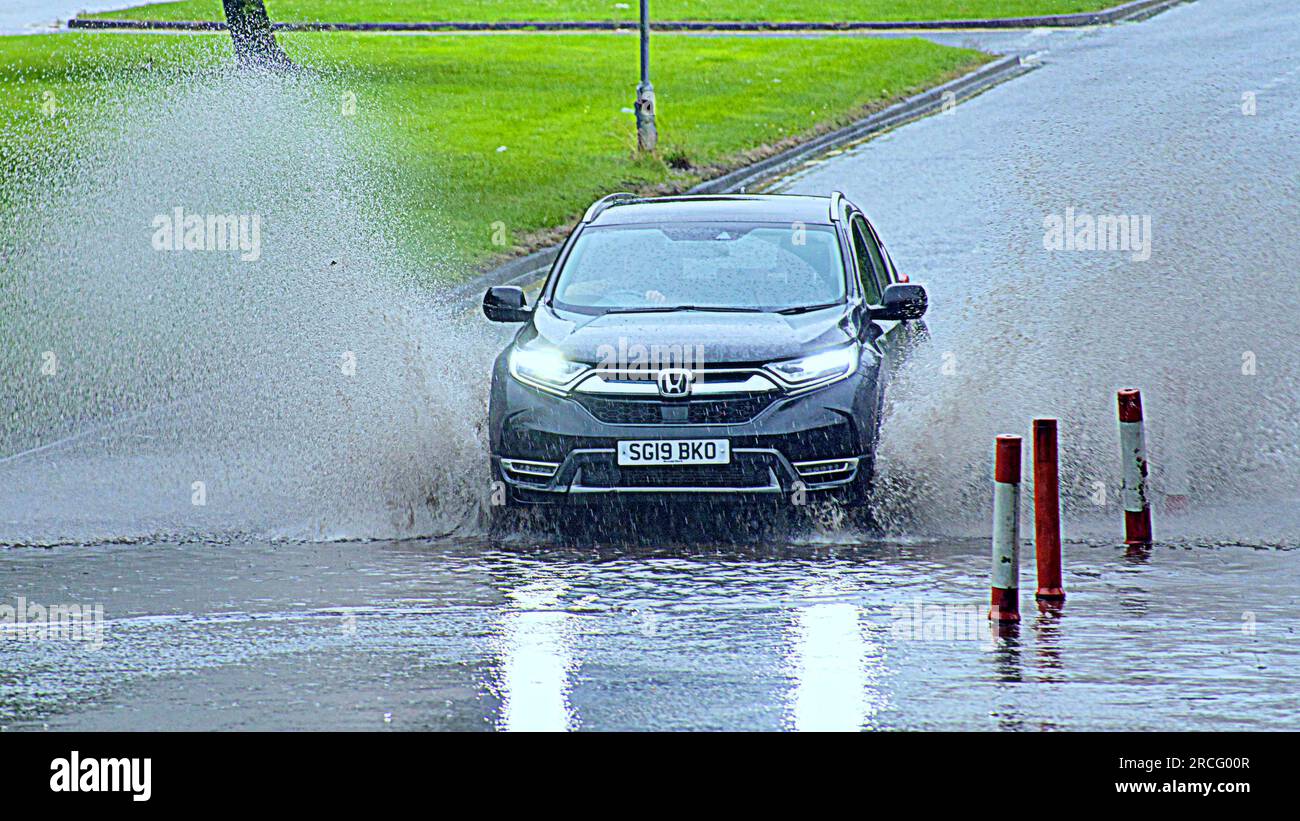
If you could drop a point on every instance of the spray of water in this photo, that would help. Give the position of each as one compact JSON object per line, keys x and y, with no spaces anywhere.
{"x":301,"y":384}
{"x":1206,"y":328}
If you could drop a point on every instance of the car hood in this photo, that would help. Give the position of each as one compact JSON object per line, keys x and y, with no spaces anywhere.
{"x":717,"y":337}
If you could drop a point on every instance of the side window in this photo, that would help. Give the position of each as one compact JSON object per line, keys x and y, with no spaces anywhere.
{"x":891,"y":271}
{"x":870,"y":265}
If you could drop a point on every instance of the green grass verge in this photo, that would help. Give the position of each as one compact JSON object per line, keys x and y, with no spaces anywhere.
{"x":442,"y":107}
{"x":405,"y":11}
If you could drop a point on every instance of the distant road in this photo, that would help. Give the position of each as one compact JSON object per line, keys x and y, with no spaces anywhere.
{"x":34,"y":16}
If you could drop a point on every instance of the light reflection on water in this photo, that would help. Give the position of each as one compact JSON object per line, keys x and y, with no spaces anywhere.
{"x":834,"y":662}
{"x":536,"y":659}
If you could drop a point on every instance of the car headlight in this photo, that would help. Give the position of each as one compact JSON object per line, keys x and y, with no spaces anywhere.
{"x":544,"y":368}
{"x":818,"y":368}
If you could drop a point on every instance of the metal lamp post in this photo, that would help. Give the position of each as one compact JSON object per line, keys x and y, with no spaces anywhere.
{"x":646,"y":134}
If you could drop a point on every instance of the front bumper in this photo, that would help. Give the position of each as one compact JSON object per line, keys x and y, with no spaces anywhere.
{"x":549,"y":449}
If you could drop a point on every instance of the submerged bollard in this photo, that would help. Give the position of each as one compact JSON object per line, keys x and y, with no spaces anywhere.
{"x":1004,"y":597}
{"x":1133,"y":450}
{"x":1047,"y":511}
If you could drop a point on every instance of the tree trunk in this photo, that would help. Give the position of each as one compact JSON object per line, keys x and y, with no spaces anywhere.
{"x":250,"y":30}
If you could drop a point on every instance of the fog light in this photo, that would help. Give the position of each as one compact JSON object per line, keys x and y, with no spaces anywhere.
{"x":528,"y":469}
{"x":826,"y":470}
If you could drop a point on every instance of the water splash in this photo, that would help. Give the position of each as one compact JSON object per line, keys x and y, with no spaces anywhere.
{"x":310,"y":388}
{"x":1205,"y":329}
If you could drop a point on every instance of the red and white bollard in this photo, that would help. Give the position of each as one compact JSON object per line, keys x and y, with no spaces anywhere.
{"x":1133,"y":451}
{"x":1005,"y":581}
{"x":1047,"y":511}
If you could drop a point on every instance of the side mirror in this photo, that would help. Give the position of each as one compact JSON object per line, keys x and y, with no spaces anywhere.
{"x":505,"y":303}
{"x":903,"y":301}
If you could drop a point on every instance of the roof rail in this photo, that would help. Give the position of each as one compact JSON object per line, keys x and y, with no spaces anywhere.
{"x":605,"y":202}
{"x":836,"y":199}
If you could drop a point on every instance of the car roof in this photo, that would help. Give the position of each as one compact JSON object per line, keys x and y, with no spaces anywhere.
{"x":810,"y":210}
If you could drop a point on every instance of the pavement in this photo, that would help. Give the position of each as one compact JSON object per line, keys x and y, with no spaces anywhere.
{"x":1191,"y":120}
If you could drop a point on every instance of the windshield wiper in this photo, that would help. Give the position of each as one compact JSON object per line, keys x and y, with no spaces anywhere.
{"x":803,"y":309}
{"x":664,"y":309}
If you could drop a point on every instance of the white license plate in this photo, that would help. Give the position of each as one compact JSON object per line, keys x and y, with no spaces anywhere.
{"x":674,"y":452}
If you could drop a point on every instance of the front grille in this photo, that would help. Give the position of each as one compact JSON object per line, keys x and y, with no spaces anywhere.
{"x":729,"y":411}
{"x":623,"y":411}
{"x":735,"y":475}
{"x":721,"y":411}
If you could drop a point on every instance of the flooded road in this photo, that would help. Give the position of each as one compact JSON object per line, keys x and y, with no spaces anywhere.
{"x":419,"y":636}
{"x":1190,"y":120}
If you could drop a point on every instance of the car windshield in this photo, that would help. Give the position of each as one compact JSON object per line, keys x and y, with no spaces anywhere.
{"x":676,"y":266}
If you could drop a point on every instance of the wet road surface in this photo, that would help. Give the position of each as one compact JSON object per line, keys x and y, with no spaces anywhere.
{"x":418,"y":636}
{"x":820,"y":633}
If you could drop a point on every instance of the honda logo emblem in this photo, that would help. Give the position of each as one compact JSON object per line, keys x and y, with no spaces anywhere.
{"x":675,"y":382}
